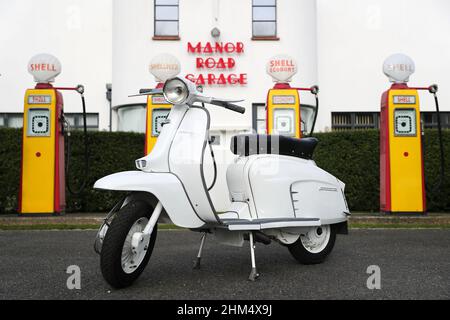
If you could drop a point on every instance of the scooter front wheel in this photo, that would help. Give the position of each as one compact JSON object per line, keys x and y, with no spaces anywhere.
{"x":119,"y":265}
{"x":314,"y":246}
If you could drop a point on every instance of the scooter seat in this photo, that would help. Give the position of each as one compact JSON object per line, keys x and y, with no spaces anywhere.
{"x":251,"y":144}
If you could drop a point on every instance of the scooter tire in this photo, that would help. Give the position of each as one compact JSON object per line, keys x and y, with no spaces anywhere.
{"x":111,"y":254}
{"x":302,"y":255}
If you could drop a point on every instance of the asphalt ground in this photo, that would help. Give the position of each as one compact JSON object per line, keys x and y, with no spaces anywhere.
{"x":414,"y":264}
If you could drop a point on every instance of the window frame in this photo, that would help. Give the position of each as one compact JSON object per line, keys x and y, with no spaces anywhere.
{"x":6,"y":116}
{"x":265,"y":38}
{"x":155,"y":20}
{"x":255,"y":119}
{"x":78,"y":119}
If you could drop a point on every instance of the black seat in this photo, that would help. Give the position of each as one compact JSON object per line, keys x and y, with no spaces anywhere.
{"x":250,"y":144}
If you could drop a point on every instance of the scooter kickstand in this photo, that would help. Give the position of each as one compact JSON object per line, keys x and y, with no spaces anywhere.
{"x":254,"y":273}
{"x":200,"y":251}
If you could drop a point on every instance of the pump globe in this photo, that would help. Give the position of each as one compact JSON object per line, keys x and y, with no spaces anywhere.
{"x":398,"y":68}
{"x":164,"y":66}
{"x":44,"y":68}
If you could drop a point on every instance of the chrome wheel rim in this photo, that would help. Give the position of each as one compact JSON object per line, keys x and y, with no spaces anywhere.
{"x":130,"y":261}
{"x":316,"y":239}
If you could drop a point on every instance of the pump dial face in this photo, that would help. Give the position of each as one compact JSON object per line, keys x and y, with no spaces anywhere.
{"x":38,"y":123}
{"x":405,"y":122}
{"x":284,"y":121}
{"x":159,"y":116}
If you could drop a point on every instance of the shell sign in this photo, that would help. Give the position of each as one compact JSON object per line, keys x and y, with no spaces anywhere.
{"x":164,"y":67}
{"x":44,"y":68}
{"x":281,"y":68}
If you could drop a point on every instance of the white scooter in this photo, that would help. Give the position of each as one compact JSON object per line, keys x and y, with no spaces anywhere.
{"x":277,"y":193}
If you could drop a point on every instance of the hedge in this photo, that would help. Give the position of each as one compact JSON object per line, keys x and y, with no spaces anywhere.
{"x":352,"y":156}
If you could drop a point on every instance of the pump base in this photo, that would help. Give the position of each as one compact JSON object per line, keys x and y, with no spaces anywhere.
{"x":403,"y":213}
{"x":44,"y":215}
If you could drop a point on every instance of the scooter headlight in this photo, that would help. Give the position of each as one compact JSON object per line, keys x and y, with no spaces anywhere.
{"x":176,"y":91}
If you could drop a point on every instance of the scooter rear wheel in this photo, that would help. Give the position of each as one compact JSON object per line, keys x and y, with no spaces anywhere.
{"x":314,"y":246}
{"x":116,"y":263}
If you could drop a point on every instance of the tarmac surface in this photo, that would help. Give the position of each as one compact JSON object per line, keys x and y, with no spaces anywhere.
{"x":414,"y":264}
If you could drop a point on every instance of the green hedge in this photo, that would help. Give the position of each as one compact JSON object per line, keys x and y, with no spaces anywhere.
{"x":352,"y":156}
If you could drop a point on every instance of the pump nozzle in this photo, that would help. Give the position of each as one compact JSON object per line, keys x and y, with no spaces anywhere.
{"x":80,"y":89}
{"x":433,"y":88}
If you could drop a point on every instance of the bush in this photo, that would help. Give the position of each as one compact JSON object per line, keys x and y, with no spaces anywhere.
{"x":352,"y":156}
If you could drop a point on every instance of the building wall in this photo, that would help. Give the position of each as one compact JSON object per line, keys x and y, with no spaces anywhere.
{"x":78,"y":32}
{"x":133,"y":48}
{"x":354,"y":38}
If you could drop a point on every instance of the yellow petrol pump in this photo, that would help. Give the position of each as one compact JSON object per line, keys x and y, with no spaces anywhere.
{"x":42,"y":183}
{"x":157,"y":111}
{"x":402,"y":178}
{"x":285,"y":114}
{"x":162,"y":67}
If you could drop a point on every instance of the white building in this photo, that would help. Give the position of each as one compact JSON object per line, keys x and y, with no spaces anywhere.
{"x":339,"y":45}
{"x":78,"y":32}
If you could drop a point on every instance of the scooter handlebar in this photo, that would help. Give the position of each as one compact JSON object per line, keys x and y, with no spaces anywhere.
{"x":229,"y":106}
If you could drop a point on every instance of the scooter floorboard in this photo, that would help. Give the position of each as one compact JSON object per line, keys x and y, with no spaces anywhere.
{"x":261,"y":224}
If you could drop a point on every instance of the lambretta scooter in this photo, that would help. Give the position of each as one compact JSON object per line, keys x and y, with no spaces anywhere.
{"x":277,"y":192}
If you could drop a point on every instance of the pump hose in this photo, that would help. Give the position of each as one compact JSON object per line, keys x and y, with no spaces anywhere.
{"x":86,"y":155}
{"x":437,"y":187}
{"x":315,"y":116}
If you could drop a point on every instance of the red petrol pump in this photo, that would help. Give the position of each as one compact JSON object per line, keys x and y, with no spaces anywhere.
{"x":162,"y":67}
{"x":285,"y":113}
{"x":402,"y":177}
{"x":43,"y":165}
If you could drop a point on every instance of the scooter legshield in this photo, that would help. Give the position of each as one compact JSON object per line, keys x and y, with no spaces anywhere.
{"x":166,"y":187}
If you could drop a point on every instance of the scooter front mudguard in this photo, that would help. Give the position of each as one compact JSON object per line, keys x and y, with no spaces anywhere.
{"x":166,"y":187}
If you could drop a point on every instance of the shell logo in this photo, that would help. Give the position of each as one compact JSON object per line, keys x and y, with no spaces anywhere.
{"x":44,"y":68}
{"x":398,"y":68}
{"x":164,"y":67}
{"x":281,"y":68}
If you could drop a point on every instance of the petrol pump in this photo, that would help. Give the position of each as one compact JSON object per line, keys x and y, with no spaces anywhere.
{"x":162,"y":67}
{"x":402,"y":178}
{"x":43,"y":167}
{"x":285,"y":114}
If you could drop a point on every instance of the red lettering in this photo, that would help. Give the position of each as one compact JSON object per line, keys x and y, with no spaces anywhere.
{"x":222,"y":80}
{"x":200,"y":63}
{"x":239,"y":47}
{"x":210,"y":63}
{"x":196,"y":49}
{"x":208,"y":48}
{"x":231,"y":63}
{"x":229,"y":47}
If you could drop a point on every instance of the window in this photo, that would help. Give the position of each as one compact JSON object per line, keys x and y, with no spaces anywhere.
{"x":264,"y":19}
{"x":76,"y":121}
{"x":371,"y":120}
{"x":354,"y":120}
{"x":11,"y":120}
{"x":429,"y":120}
{"x":132,"y":117}
{"x":166,"y":20}
{"x":259,"y":118}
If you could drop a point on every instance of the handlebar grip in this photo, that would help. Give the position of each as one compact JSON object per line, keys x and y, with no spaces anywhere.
{"x":142,"y":91}
{"x":234,"y":107}
{"x":229,"y":106}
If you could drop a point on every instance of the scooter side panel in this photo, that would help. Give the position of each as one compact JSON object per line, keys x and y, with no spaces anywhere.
{"x":166,"y":187}
{"x":287,"y":187}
